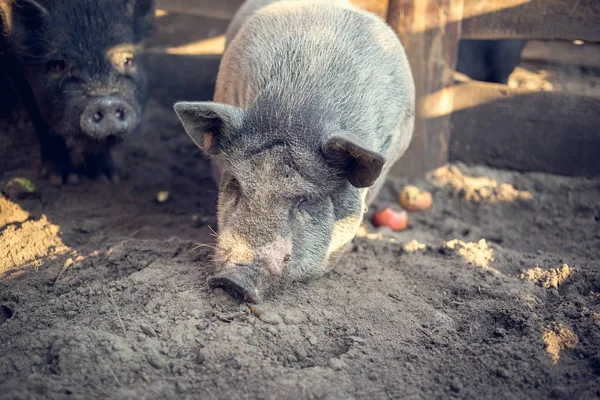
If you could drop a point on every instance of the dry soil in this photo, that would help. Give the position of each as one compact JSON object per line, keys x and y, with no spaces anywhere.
{"x":103,"y":291}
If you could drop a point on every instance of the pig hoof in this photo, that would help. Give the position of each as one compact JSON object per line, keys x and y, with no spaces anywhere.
{"x":234,"y":287}
{"x":110,"y":176}
{"x":56,"y":180}
{"x":57,"y":173}
{"x":114,"y":179}
{"x":73,"y":179}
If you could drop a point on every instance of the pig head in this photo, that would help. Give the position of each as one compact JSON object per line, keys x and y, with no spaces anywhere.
{"x":287,"y":208}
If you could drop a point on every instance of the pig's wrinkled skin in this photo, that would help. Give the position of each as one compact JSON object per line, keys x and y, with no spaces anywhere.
{"x":314,"y":103}
{"x":73,"y":65}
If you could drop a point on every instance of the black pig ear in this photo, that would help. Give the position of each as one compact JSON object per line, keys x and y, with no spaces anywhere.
{"x":209,"y":123}
{"x":29,"y":13}
{"x":143,"y":18}
{"x":361,"y":165}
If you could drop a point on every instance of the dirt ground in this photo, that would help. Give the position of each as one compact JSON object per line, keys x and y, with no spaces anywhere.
{"x":493,"y":293}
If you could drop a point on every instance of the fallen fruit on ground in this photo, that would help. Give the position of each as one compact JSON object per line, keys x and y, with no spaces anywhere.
{"x":18,"y":188}
{"x":162,"y":196}
{"x":396,"y":220}
{"x":413,"y":199}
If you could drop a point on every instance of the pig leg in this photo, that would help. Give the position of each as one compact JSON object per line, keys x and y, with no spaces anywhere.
{"x":56,"y":163}
{"x":505,"y":59}
{"x":8,"y":100}
{"x":489,"y":60}
{"x":102,"y":165}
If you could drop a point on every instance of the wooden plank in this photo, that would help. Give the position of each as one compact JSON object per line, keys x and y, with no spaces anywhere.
{"x":429,"y":31}
{"x":176,"y":77}
{"x":553,"y":132}
{"x":225,"y":9}
{"x":219,"y":9}
{"x":177,"y":31}
{"x":532,"y":19}
{"x":563,"y":52}
{"x":379,"y":7}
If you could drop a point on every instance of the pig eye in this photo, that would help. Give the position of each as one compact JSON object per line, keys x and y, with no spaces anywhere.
{"x":129,"y":62}
{"x":233,"y":186}
{"x":57,"y":66}
{"x":299,"y":207}
{"x":301,"y":202}
{"x":233,"y":191}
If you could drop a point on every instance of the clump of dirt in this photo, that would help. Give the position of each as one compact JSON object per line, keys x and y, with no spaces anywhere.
{"x":414,"y":245}
{"x":478,"y":254}
{"x":596,"y":317}
{"x":11,"y":213}
{"x":534,"y":79}
{"x":103,"y":290}
{"x":547,"y":278}
{"x":557,"y":339}
{"x":543,"y":76}
{"x":477,"y":189}
{"x":26,"y":244}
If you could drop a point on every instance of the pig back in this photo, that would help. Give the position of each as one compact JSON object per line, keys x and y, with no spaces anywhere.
{"x":251,"y":6}
{"x":343,"y":64}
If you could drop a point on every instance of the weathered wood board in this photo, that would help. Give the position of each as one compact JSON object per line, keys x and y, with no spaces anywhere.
{"x":220,"y":9}
{"x":532,"y":19}
{"x":225,"y":9}
{"x":563,"y":52}
{"x":554,"y":132}
{"x":430,"y":35}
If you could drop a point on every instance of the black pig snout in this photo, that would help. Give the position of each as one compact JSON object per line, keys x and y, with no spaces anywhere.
{"x":107,"y":116}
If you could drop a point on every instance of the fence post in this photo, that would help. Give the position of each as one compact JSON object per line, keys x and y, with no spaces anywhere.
{"x":430,"y":31}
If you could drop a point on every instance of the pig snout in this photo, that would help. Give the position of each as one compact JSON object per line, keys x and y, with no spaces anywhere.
{"x":107,"y":116}
{"x":239,"y":281}
{"x":245,"y":272}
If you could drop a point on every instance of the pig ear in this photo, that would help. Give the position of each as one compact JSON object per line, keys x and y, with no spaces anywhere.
{"x":209,"y":123}
{"x":143,"y":18}
{"x":361,"y":165}
{"x":30,"y":14}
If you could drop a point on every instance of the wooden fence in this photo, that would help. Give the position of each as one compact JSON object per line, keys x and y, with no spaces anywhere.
{"x":474,"y":121}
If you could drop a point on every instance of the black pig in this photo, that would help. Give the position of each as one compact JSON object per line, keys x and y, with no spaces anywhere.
{"x":73,"y":64}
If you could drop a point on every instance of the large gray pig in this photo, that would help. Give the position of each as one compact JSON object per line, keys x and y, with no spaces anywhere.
{"x":314,"y":102}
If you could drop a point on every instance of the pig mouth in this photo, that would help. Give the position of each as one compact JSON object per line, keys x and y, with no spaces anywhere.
{"x":84,"y":144}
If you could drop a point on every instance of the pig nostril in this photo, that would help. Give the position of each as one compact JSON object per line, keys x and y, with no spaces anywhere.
{"x":120,"y":114}
{"x":97,"y":117}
